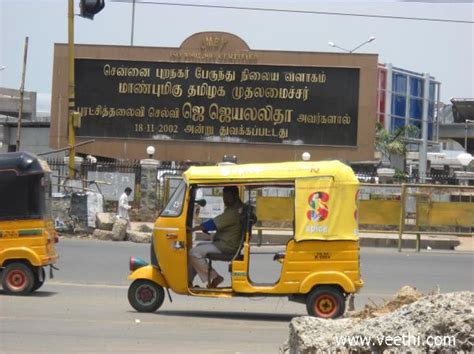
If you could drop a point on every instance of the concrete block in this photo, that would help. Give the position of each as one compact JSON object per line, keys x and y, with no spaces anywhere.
{"x":105,"y":221}
{"x":120,"y":230}
{"x":103,"y":235}
{"x":139,"y":237}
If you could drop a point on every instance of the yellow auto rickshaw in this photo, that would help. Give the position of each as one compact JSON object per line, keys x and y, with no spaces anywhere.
{"x":27,"y":234}
{"x":315,"y":201}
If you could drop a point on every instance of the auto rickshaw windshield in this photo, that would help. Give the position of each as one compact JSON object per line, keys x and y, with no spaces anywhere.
{"x":24,"y":187}
{"x":174,"y":207}
{"x":23,"y":197}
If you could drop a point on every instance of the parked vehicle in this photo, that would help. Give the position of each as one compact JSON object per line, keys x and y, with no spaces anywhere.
{"x":320,"y":264}
{"x":27,"y":234}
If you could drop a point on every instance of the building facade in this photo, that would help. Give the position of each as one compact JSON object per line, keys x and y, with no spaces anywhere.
{"x":401,"y":96}
{"x":214,"y":96}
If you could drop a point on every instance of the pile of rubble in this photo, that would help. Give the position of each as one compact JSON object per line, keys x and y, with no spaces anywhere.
{"x":406,"y":295}
{"x":441,"y":323}
{"x":109,"y":227}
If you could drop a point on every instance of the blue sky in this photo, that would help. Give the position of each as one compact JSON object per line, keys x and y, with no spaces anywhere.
{"x":445,"y":50}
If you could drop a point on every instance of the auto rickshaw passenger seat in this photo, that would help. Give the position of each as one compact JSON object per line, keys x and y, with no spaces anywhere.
{"x":224,"y":257}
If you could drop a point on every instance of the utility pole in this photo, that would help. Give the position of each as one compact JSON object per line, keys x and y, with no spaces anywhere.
{"x":88,"y":9}
{"x":22,"y":95}
{"x":71,"y":87}
{"x":133,"y":24}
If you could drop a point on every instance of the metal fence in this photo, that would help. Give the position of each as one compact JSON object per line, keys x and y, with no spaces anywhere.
{"x":108,"y":178}
{"x":417,"y":209}
{"x":111,"y":178}
{"x":440,"y":177}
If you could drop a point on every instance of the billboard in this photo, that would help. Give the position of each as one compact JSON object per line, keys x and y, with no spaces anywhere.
{"x":221,"y":103}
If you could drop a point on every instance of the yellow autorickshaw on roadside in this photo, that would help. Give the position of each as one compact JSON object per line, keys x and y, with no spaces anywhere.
{"x":320,"y":263}
{"x":27,"y":234}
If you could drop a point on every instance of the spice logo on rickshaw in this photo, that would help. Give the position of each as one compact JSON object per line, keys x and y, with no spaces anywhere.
{"x":318,"y":202}
{"x":319,"y":211}
{"x":322,"y":211}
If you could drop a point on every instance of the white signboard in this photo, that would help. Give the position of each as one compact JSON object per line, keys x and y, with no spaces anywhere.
{"x":116,"y":182}
{"x":214,"y":206}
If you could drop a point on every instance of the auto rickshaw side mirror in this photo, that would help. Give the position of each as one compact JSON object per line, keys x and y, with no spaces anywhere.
{"x":201,"y":202}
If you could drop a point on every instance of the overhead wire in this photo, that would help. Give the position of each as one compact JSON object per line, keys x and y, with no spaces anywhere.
{"x":267,"y":9}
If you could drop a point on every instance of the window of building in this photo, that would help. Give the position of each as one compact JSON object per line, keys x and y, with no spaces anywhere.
{"x":397,"y":123}
{"x":416,"y":87}
{"x":416,"y":108}
{"x":399,"y":105}
{"x":399,"y":84}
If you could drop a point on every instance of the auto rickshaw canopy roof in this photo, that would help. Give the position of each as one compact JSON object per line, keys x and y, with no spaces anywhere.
{"x":22,"y":164}
{"x":248,"y":173}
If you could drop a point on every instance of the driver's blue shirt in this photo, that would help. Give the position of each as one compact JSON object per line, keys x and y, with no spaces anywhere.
{"x":209,"y":225}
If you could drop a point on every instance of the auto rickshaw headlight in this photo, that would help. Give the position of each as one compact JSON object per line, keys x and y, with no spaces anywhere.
{"x":137,"y":262}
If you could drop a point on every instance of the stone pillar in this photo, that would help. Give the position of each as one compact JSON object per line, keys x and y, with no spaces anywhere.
{"x":148,"y":188}
{"x":385,"y":175}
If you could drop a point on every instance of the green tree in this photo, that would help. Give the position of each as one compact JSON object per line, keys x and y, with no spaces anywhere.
{"x":393,"y":143}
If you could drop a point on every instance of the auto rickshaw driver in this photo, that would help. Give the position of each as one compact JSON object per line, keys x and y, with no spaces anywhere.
{"x":226,"y":240}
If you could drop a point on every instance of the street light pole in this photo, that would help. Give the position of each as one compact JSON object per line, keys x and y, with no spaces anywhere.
{"x":332,"y":44}
{"x":370,"y":39}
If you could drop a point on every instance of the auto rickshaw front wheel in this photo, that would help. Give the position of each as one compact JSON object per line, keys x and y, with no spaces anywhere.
{"x":17,"y":279}
{"x":145,"y":295}
{"x":325,"y":302}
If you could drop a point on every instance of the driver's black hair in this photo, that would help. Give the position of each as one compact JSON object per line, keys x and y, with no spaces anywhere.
{"x":232,"y":190}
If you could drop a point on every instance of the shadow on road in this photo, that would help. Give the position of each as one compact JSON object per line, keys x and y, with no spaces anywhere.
{"x":248,"y":316}
{"x":35,"y":294}
{"x":44,"y":293}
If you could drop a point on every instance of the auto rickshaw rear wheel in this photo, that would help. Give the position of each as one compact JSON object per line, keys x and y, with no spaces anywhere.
{"x":145,"y":295}
{"x":39,"y":274}
{"x":325,"y":302}
{"x":17,"y":279}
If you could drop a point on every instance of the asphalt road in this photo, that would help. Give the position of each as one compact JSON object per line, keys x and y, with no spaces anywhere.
{"x":85,"y":308}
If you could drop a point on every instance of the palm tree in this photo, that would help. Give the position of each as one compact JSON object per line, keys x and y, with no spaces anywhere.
{"x":393,"y":143}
